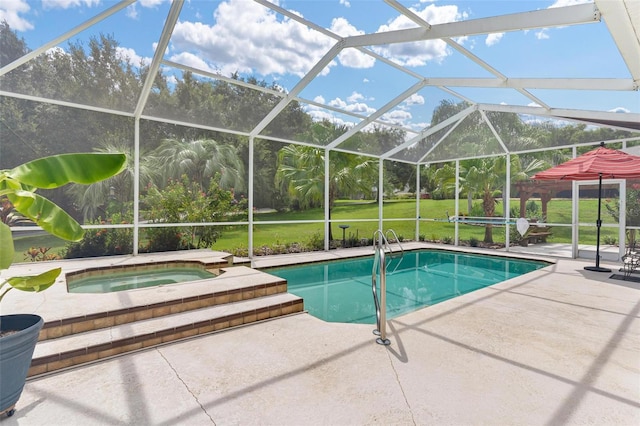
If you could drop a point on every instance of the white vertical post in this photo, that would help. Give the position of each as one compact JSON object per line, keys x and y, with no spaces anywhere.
{"x":418,"y":194}
{"x":575,"y":199}
{"x":250,"y":197}
{"x":456,"y":210}
{"x":136,"y":185}
{"x":327,"y":224}
{"x":506,"y":202}
{"x":622,"y":219}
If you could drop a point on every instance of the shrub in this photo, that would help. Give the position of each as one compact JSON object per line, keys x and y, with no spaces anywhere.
{"x":102,"y":242}
{"x":316,"y":242}
{"x":186,"y":201}
{"x":39,"y":254}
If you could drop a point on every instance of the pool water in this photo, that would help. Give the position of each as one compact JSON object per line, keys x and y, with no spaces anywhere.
{"x":340,"y":291}
{"x":132,"y":279}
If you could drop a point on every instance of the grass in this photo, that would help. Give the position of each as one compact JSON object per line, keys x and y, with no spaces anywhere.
{"x":433,"y":225}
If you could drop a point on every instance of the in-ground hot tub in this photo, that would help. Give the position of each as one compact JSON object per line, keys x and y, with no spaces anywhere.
{"x":128,"y":277}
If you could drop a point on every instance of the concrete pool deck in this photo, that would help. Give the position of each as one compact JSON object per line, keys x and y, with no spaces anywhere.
{"x":560,"y":345}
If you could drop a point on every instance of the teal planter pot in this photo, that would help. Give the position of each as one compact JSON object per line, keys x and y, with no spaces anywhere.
{"x":16,"y":350}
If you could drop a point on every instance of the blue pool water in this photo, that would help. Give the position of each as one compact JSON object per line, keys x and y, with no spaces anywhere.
{"x":136,"y":278}
{"x":340,"y":291}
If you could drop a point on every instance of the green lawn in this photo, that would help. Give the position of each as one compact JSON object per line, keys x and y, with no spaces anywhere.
{"x":433,"y":225}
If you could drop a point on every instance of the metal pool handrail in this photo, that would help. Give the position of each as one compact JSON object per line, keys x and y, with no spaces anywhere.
{"x":381,"y":245}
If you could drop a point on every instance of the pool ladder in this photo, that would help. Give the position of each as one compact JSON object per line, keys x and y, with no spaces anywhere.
{"x":381,"y":247}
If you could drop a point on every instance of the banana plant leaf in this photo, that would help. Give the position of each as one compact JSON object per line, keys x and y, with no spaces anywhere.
{"x":59,"y":170}
{"x":6,"y":247}
{"x":35,"y":283}
{"x":47,"y":214}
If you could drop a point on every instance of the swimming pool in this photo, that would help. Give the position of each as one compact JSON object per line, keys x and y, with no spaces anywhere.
{"x":340,"y":291}
{"x":110,"y":279}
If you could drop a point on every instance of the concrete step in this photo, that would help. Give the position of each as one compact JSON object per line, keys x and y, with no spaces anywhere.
{"x":83,"y":347}
{"x":106,"y":310}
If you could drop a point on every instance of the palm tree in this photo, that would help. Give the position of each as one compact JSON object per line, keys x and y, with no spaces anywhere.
{"x":487,"y":177}
{"x":93,"y":199}
{"x":301,"y":174}
{"x":201,"y":160}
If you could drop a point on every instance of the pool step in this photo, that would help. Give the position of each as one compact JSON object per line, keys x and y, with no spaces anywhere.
{"x":83,"y":347}
{"x":234,"y":285}
{"x":96,"y":326}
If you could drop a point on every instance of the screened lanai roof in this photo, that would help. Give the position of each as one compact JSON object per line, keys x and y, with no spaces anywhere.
{"x":358,"y":64}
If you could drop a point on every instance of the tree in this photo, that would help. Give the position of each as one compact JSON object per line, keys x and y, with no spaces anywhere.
{"x":201,"y":160}
{"x":113,"y":195}
{"x":301,"y":174}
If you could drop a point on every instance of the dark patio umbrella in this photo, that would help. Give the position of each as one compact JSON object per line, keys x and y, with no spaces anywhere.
{"x":601,"y":163}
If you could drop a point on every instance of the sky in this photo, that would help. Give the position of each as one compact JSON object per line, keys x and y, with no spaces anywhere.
{"x":245,"y":37}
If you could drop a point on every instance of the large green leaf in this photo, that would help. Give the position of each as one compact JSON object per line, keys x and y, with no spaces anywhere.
{"x":35,"y":283}
{"x":6,"y":246}
{"x":47,"y":215}
{"x":58,"y":170}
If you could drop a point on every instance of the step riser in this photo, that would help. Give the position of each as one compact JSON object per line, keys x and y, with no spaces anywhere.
{"x":50,"y":363}
{"x":69,"y":326}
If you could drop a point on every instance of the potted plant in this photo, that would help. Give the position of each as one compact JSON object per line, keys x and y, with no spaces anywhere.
{"x":19,"y":333}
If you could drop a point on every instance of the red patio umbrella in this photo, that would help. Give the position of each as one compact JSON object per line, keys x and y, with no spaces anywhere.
{"x":601,"y":163}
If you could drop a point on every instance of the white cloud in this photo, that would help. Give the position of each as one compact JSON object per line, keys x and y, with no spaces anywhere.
{"x":493,"y":38}
{"x":132,"y":12}
{"x":55,"y":51}
{"x":345,"y":3}
{"x":533,"y":104}
{"x":355,"y":107}
{"x":195,"y":61}
{"x":66,"y":4}
{"x":318,"y":114}
{"x":420,"y":53}
{"x":562,"y":3}
{"x":319,"y":99}
{"x":343,"y":28}
{"x":355,"y":97}
{"x":10,"y":11}
{"x":365,"y":80}
{"x":542,"y":34}
{"x":398,"y":117}
{"x":130,"y":54}
{"x":152,"y":3}
{"x":248,"y":37}
{"x":351,"y":58}
{"x":414,"y":99}
{"x":620,"y":109}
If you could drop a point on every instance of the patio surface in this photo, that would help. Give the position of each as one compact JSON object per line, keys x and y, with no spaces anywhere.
{"x":560,"y":345}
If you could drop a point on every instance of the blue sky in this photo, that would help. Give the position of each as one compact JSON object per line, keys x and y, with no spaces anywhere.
{"x":240,"y":35}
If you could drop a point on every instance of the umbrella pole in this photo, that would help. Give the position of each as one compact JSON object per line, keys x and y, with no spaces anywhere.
{"x":597,"y":268}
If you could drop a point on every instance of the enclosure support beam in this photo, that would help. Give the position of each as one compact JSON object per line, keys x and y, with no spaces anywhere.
{"x":457,"y":207}
{"x":327,"y":209}
{"x":136,"y":185}
{"x":506,"y":203}
{"x":250,"y":197}
{"x":418,"y":198}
